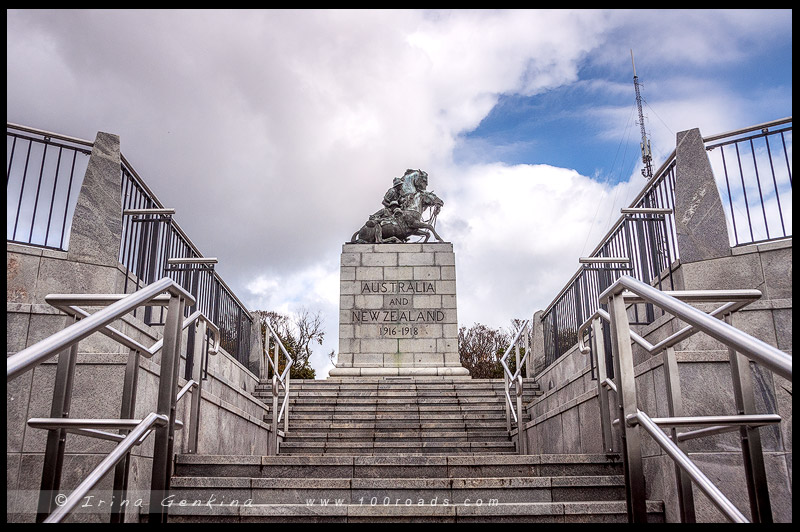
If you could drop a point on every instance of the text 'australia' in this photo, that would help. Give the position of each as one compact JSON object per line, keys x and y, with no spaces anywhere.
{"x":397,"y":287}
{"x":397,"y":316}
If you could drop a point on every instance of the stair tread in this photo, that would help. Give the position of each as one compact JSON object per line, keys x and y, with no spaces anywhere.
{"x":416,"y":440}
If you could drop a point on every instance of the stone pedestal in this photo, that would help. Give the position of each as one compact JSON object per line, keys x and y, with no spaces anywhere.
{"x":397,"y":311}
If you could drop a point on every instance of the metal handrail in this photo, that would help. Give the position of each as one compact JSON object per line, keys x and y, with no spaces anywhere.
{"x":67,"y":303}
{"x":49,"y":134}
{"x":34,"y":355}
{"x":119,"y":452}
{"x":290,"y":360}
{"x":513,"y":343}
{"x":739,"y":299}
{"x":757,"y":350}
{"x":279,"y":380}
{"x":65,"y":343}
{"x":648,"y":189}
{"x":141,"y":429}
{"x":686,"y":464}
{"x":627,"y":290}
{"x":515,"y":380}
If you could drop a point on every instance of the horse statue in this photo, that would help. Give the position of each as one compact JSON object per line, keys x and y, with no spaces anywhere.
{"x":401,"y":220}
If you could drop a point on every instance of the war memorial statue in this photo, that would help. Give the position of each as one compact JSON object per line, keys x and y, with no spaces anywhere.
{"x":397,"y":310}
{"x":401,"y":215}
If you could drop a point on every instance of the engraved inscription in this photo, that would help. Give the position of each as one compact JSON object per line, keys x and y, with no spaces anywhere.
{"x":397,"y":316}
{"x":397,"y":287}
{"x":394,"y":330}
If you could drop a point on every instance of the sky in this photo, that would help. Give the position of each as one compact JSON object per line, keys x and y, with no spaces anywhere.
{"x":275,"y":133}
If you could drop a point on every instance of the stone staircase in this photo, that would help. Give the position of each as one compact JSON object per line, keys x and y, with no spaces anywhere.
{"x":391,"y":416}
{"x":386,"y":450}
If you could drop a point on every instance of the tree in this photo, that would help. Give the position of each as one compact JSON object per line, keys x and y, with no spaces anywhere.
{"x":297,"y":333}
{"x":516,"y":325}
{"x":480,"y":348}
{"x":309,"y":331}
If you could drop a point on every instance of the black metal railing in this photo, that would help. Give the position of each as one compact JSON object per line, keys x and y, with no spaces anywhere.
{"x":757,"y":201}
{"x":44,"y":173}
{"x":154,"y":245}
{"x":754,"y":177}
{"x":645,"y":236}
{"x":44,"y":176}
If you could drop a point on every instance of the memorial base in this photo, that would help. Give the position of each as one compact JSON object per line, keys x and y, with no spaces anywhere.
{"x":397,"y":312}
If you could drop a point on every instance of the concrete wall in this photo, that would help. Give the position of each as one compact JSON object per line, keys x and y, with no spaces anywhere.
{"x":566,"y":418}
{"x":231,"y":418}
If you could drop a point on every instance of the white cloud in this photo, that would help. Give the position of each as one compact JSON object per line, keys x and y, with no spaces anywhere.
{"x":275,"y":133}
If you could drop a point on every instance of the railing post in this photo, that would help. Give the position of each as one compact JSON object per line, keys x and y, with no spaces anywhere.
{"x":529,"y":342}
{"x":752,"y":452}
{"x":276,"y":359}
{"x":645,"y":258}
{"x":286,"y":401}
{"x":127,"y":411}
{"x":626,"y":396}
{"x":675,"y":406}
{"x":149,"y":251}
{"x":194,"y":423}
{"x":598,"y":348}
{"x":273,"y":448}
{"x":159,"y":484}
{"x":57,"y":438}
{"x":522,"y":442}
{"x":266,"y":357}
{"x":505,"y":400}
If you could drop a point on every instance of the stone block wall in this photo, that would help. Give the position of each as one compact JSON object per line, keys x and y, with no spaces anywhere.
{"x":398,"y":313}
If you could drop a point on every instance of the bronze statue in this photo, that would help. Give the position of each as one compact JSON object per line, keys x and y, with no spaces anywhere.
{"x":401,"y":216}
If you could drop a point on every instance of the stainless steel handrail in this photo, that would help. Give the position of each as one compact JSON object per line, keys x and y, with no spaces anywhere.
{"x":679,"y":457}
{"x":514,"y":380}
{"x":119,"y":452}
{"x":628,"y":290}
{"x":65,"y":342}
{"x":67,"y":303}
{"x":738,"y":300}
{"x":34,"y":355}
{"x":49,"y":134}
{"x":290,"y":360}
{"x":279,"y":380}
{"x":760,"y":351}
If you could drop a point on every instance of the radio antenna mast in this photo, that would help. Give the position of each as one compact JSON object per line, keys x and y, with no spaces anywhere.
{"x":647,"y":157}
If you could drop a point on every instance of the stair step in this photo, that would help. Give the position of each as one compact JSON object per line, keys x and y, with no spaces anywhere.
{"x":358,"y":490}
{"x":388,"y":450}
{"x":295,"y":424}
{"x":392,"y":447}
{"x":395,"y":434}
{"x":428,"y":415}
{"x":390,"y":401}
{"x":406,"y":512}
{"x":400,"y":465}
